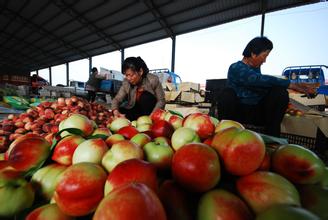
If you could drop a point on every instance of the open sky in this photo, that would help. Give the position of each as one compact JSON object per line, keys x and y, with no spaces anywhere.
{"x":299,"y":37}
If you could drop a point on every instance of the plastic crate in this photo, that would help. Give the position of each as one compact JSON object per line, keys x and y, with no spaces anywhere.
{"x":307,"y":142}
{"x":213,"y":89}
{"x":106,"y":85}
{"x":116,"y":86}
{"x":318,"y":144}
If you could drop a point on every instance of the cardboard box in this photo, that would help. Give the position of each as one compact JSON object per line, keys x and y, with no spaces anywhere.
{"x":167,"y":95}
{"x":174,"y":95}
{"x":54,"y":94}
{"x":23,"y":90}
{"x":199,"y":98}
{"x":188,"y":97}
{"x":305,"y":126}
{"x":186,"y":110}
{"x":44,"y":93}
{"x":318,"y":100}
{"x":169,"y":86}
{"x":189,"y":86}
{"x":66,"y":94}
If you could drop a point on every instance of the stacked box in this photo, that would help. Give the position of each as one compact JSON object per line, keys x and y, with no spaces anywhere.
{"x":188,"y":97}
{"x":23,"y":90}
{"x":187,"y":92}
{"x":44,"y":93}
{"x":66,"y":94}
{"x":189,"y":86}
{"x":185,"y":110}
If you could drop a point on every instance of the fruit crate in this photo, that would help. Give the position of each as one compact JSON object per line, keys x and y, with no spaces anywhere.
{"x":316,"y":144}
{"x":304,"y":141}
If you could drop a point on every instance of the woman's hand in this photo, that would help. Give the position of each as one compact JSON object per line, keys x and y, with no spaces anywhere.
{"x":308,"y":90}
{"x":117,"y":114}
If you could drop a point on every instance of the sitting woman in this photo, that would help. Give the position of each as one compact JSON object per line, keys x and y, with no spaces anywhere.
{"x":254,"y":98}
{"x":141,"y":92}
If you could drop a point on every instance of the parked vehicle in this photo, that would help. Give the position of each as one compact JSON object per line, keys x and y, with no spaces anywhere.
{"x":165,"y":75}
{"x":112,"y":81}
{"x":79,"y":87}
{"x":307,"y":74}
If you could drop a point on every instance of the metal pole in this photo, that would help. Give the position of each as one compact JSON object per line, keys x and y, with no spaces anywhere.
{"x":90,"y":65}
{"x":173,"y":54}
{"x":262,"y":24}
{"x":50,"y":76}
{"x":263,"y":6}
{"x":67,"y":74}
{"x":122,"y":59}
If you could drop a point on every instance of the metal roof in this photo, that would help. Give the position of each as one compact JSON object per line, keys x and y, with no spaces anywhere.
{"x":38,"y":34}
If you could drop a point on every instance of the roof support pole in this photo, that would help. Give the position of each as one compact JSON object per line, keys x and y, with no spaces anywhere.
{"x":122,"y":59}
{"x":90,"y":65}
{"x":262,"y":24}
{"x":50,"y":76}
{"x":263,"y":7}
{"x":37,"y":72}
{"x":67,"y":74}
{"x":173,"y":53}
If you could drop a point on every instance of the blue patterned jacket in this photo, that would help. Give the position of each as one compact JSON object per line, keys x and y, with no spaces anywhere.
{"x":249,"y":83}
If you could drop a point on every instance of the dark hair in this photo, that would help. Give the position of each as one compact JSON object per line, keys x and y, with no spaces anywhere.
{"x":94,"y":69}
{"x":257,"y":46}
{"x":136,"y":64}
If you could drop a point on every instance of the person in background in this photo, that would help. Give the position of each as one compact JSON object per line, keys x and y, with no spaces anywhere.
{"x":141,"y":92}
{"x":37,"y":82}
{"x":253,"y":98}
{"x":93,"y":84}
{"x":294,"y":77}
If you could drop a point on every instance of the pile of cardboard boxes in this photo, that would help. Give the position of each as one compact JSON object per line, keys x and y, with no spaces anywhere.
{"x":185,"y":93}
{"x":186,"y":98}
{"x":56,"y":91}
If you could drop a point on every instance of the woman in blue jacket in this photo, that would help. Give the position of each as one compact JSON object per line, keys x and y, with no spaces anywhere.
{"x":254,"y":98}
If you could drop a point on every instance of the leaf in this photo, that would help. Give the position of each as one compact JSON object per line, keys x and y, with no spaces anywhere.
{"x":31,"y":171}
{"x":102,"y":136}
{"x":54,"y":142}
{"x":175,"y":113}
{"x":75,"y":131}
{"x":273,"y":140}
{"x":72,"y":131}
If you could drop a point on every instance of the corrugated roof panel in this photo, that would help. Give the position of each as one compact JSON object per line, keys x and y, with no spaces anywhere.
{"x":30,"y":7}
{"x":155,"y":35}
{"x":49,"y":18}
{"x":139,"y":32}
{"x":210,"y":15}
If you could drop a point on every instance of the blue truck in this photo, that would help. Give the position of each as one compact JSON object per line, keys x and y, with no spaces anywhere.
{"x":309,"y":74}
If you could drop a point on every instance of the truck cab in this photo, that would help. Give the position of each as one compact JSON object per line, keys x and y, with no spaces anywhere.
{"x":167,"y":76}
{"x":78,"y":85}
{"x":79,"y":88}
{"x":307,"y":74}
